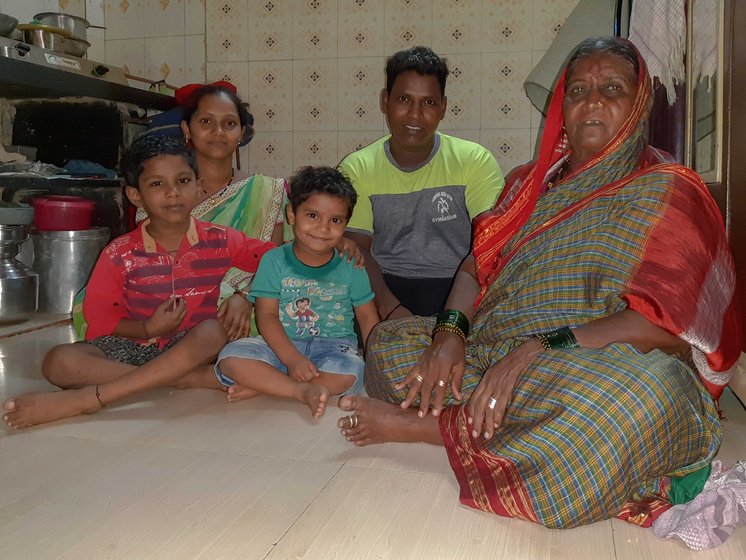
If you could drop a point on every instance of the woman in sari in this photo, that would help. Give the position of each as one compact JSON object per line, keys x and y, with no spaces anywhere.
{"x":215,"y":123}
{"x":575,"y":373}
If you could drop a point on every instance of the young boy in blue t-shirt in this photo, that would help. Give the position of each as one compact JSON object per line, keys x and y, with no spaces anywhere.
{"x":305,"y":298}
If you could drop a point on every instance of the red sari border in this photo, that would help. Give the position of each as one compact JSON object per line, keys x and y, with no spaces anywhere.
{"x":487,"y":482}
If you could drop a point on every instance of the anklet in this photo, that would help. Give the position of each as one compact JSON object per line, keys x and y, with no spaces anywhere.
{"x":98,"y":398}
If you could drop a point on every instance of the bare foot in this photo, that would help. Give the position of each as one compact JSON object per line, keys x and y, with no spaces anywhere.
{"x":316,"y":397}
{"x":31,"y":409}
{"x":379,"y":422}
{"x":240,"y":393}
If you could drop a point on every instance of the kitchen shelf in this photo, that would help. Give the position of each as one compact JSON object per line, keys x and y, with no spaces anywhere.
{"x":32,"y":182}
{"x":20,"y":79}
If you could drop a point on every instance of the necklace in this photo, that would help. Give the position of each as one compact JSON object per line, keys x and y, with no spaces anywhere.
{"x":557,"y":176}
{"x":219,"y":191}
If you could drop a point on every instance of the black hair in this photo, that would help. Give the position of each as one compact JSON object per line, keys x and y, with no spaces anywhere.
{"x":321,"y":180}
{"x":610,"y":45}
{"x":147,"y":147}
{"x":245,"y":118}
{"x":420,"y":59}
{"x":297,"y":301}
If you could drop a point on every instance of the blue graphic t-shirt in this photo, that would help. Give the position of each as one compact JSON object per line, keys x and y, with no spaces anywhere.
{"x":314,"y":301}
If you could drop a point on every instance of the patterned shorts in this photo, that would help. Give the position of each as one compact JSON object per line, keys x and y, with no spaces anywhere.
{"x":128,"y":351}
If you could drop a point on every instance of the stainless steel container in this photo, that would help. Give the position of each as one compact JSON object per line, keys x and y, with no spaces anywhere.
{"x":76,"y":26}
{"x":19,"y":286}
{"x":7,"y":25}
{"x":50,"y":38}
{"x":64,"y":261}
{"x":76,"y":47}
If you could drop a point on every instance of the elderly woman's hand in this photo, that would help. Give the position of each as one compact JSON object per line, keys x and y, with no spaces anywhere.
{"x":490,"y":398}
{"x":234,"y":315}
{"x":441,"y":365}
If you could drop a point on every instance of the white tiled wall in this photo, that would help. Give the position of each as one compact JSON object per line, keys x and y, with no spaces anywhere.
{"x":157,"y":39}
{"x":312,"y":70}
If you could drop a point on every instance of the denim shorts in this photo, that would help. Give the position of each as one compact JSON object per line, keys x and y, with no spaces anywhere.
{"x":330,"y":355}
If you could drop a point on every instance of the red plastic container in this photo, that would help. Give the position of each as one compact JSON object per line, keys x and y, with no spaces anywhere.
{"x":63,"y":213}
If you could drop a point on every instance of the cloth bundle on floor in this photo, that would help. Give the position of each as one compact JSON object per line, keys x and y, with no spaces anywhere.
{"x":710,"y":518}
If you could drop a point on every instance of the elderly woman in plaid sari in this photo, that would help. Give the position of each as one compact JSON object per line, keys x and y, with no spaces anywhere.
{"x":574,"y":375}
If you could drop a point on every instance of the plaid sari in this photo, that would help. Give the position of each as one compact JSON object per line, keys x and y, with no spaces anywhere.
{"x":588,"y":433}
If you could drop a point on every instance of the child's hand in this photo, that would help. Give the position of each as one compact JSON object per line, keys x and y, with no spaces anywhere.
{"x":348,"y":248}
{"x":302,"y":369}
{"x":167,"y":317}
{"x":234,"y":315}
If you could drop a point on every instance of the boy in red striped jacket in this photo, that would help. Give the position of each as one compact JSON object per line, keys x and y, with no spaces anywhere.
{"x":151,"y":302}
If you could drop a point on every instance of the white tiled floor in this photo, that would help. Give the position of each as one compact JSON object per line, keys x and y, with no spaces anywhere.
{"x":185,"y":475}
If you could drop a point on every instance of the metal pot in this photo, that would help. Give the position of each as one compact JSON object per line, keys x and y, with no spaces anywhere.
{"x":64,"y":261}
{"x":51,"y":38}
{"x":76,"y":47}
{"x":19,"y":286}
{"x":7,"y":25}
{"x":74,"y":25}
{"x":23,"y":214}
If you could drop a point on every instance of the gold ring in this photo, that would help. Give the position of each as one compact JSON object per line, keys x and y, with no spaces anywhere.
{"x":419,"y":378}
{"x":491,"y":403}
{"x":441,"y":383}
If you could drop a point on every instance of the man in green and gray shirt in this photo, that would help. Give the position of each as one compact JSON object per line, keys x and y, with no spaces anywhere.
{"x":418,"y":191}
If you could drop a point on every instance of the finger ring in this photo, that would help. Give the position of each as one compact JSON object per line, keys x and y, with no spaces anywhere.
{"x":491,"y":403}
{"x":441,"y":383}
{"x":419,"y":378}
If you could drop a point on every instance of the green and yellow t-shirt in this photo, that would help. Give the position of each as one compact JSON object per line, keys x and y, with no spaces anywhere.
{"x":420,"y":218}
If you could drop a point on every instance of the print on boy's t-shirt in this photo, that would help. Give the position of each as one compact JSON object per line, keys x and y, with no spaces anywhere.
{"x":313,"y":301}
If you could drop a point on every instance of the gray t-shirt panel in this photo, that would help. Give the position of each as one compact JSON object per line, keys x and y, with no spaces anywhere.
{"x":425,"y":234}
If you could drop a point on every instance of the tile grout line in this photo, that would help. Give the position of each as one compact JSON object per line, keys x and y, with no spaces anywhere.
{"x":302,"y":513}
{"x":36,"y":328}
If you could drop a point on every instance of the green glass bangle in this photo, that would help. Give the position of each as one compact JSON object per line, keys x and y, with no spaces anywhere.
{"x":453,"y":318}
{"x":561,"y":338}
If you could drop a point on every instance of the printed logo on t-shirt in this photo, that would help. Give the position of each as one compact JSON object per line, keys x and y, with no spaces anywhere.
{"x":305,"y":317}
{"x":311,"y":308}
{"x":442,"y":202}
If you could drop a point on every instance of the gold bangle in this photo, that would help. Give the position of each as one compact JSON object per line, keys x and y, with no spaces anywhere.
{"x":450,"y":328}
{"x":544,"y":341}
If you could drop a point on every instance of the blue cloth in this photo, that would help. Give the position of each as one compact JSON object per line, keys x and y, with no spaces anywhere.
{"x":330,"y":355}
{"x":167,"y":123}
{"x":89,"y":169}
